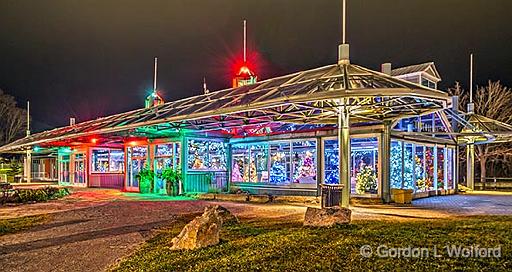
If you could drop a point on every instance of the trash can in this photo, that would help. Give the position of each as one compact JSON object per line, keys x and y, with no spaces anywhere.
{"x":331,"y":195}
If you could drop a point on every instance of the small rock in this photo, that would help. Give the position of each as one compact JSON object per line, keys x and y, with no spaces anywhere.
{"x":327,"y":217}
{"x":203,"y":230}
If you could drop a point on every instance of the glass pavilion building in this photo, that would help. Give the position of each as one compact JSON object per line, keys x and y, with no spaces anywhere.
{"x":278,"y":136}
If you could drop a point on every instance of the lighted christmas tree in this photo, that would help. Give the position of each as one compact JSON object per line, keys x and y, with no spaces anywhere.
{"x":408,"y":168}
{"x":366,"y":180}
{"x":236,"y":176}
{"x":429,"y":160}
{"x":421,"y":184}
{"x":252,"y":170}
{"x":332,"y":162}
{"x":278,"y":173}
{"x":396,"y":165}
{"x":440,"y":169}
{"x":306,"y":172}
{"x":396,"y":161}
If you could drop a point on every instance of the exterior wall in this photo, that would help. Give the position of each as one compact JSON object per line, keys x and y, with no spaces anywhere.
{"x":207,"y":180}
{"x":203,"y":180}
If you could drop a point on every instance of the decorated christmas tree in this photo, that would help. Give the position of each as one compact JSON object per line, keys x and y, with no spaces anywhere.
{"x":396,"y":165}
{"x":252,"y":170}
{"x":306,"y":172}
{"x":332,"y":162}
{"x":421,"y":184}
{"x":236,"y":176}
{"x":440,"y":169}
{"x":278,"y":173}
{"x":366,"y":180}
{"x":429,"y":160}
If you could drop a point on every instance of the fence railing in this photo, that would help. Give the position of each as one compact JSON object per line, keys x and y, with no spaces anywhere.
{"x":494,"y":183}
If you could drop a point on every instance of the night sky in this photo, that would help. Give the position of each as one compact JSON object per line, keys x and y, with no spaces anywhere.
{"x":92,"y":58}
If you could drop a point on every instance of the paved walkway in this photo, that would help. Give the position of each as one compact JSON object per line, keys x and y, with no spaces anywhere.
{"x":91,"y":229}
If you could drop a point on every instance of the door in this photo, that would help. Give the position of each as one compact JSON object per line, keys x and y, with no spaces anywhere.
{"x":79,"y":171}
{"x":136,"y":159}
{"x":64,"y":169}
{"x":166,"y":156}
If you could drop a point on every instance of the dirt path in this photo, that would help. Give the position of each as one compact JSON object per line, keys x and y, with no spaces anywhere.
{"x":88,"y":235}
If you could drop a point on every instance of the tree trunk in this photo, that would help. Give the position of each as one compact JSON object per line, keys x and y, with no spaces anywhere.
{"x":483,"y":171}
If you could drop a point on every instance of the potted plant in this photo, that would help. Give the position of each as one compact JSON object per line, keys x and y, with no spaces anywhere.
{"x":172,"y":179}
{"x":146,"y":177}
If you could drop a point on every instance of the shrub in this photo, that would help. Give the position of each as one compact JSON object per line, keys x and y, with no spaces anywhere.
{"x":38,"y":195}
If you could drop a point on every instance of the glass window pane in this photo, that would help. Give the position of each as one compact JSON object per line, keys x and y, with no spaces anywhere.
{"x":164,"y":150}
{"x":419,"y":158}
{"x":449,"y":168}
{"x":408,"y":166}
{"x":440,"y":167}
{"x":240,"y":161}
{"x":140,"y":151}
{"x":304,"y":162}
{"x":429,"y":167}
{"x":206,"y":155}
{"x":198,"y":154}
{"x":331,"y":160}
{"x":364,"y":162}
{"x":100,"y":160}
{"x":259,"y":161}
{"x":280,"y":165}
{"x":217,"y":156}
{"x":116,"y":162}
{"x":396,"y":164}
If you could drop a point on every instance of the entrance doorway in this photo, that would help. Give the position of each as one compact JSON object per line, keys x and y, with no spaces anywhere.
{"x":136,"y":160}
{"x":166,"y":156}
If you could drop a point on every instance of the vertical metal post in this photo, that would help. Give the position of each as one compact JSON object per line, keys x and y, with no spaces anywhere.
{"x":344,"y":24}
{"x":456,"y":169}
{"x":470,"y":166}
{"x":28,"y":153}
{"x":344,"y":151}
{"x":155,"y":74}
{"x":435,"y":167}
{"x":385,"y":162}
{"x":445,"y":168}
{"x":320,"y":173}
{"x":245,"y":41}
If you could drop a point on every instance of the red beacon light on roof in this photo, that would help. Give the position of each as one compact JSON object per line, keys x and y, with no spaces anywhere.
{"x":244,"y":76}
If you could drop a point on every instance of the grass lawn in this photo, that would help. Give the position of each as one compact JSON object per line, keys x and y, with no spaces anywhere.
{"x":21,"y":223}
{"x":287,"y":246}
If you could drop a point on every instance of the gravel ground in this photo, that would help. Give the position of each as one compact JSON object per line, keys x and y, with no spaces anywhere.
{"x":92,"y":229}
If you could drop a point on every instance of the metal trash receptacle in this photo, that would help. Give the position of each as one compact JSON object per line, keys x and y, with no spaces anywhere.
{"x":331,"y":195}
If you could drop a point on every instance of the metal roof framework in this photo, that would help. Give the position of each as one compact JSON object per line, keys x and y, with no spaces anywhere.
{"x":310,"y":97}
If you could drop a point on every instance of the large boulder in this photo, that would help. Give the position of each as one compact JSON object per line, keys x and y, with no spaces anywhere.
{"x":327,"y":217}
{"x":203,"y":230}
{"x":225,"y":215}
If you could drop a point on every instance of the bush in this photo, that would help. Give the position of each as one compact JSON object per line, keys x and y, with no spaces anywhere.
{"x":38,"y":195}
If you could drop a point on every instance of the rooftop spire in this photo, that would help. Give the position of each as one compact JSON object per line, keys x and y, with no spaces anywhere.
{"x":471,"y":105}
{"x":343,"y":48}
{"x":155,"y":72}
{"x":245,"y":41}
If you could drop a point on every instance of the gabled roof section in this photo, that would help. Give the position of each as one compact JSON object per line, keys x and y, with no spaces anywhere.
{"x":305,"y":97}
{"x":427,"y":67}
{"x":499,"y":131}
